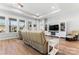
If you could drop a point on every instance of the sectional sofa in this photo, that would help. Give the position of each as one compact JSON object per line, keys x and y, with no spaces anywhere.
{"x":36,"y":39}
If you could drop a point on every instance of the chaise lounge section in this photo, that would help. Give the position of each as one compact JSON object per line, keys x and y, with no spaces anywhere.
{"x":72,"y":36}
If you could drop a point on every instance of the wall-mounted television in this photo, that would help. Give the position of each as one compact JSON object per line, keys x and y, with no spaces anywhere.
{"x":54,"y":27}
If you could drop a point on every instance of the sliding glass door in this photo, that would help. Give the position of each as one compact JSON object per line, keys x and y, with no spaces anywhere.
{"x":12,"y":25}
{"x":21,"y":24}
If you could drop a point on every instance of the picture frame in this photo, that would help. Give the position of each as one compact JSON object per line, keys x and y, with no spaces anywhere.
{"x":62,"y":26}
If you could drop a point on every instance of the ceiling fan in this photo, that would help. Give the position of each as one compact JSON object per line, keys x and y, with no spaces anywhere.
{"x":20,"y":4}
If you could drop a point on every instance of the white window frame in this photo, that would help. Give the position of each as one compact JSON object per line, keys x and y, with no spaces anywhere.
{"x":10,"y":24}
{"x":3,"y":17}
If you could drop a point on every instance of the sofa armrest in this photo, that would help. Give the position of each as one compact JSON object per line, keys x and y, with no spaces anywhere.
{"x":46,"y":47}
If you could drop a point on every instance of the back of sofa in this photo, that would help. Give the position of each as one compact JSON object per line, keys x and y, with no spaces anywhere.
{"x":36,"y":40}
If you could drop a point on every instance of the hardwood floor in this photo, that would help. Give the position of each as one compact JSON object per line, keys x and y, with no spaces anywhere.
{"x":16,"y":47}
{"x":69,"y":47}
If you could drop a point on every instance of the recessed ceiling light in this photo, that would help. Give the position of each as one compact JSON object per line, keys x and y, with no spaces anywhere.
{"x":53,"y":7}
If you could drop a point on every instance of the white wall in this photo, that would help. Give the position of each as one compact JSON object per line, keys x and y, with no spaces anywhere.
{"x":74,"y":23}
{"x":71,"y":20}
{"x":41,"y":23}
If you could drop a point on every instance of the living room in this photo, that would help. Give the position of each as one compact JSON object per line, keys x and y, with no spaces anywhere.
{"x":39,"y":29}
{"x":51,"y":32}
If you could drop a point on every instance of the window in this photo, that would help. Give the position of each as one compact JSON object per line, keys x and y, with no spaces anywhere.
{"x":12,"y":25}
{"x":2,"y":24}
{"x":29,"y":25}
{"x":45,"y":27}
{"x":21,"y":24}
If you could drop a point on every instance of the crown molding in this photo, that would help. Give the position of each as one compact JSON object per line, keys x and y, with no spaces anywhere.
{"x":31,"y":15}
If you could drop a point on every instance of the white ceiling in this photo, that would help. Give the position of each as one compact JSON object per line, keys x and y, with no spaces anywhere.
{"x":40,"y":8}
{"x":34,"y":9}
{"x":43,"y":9}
